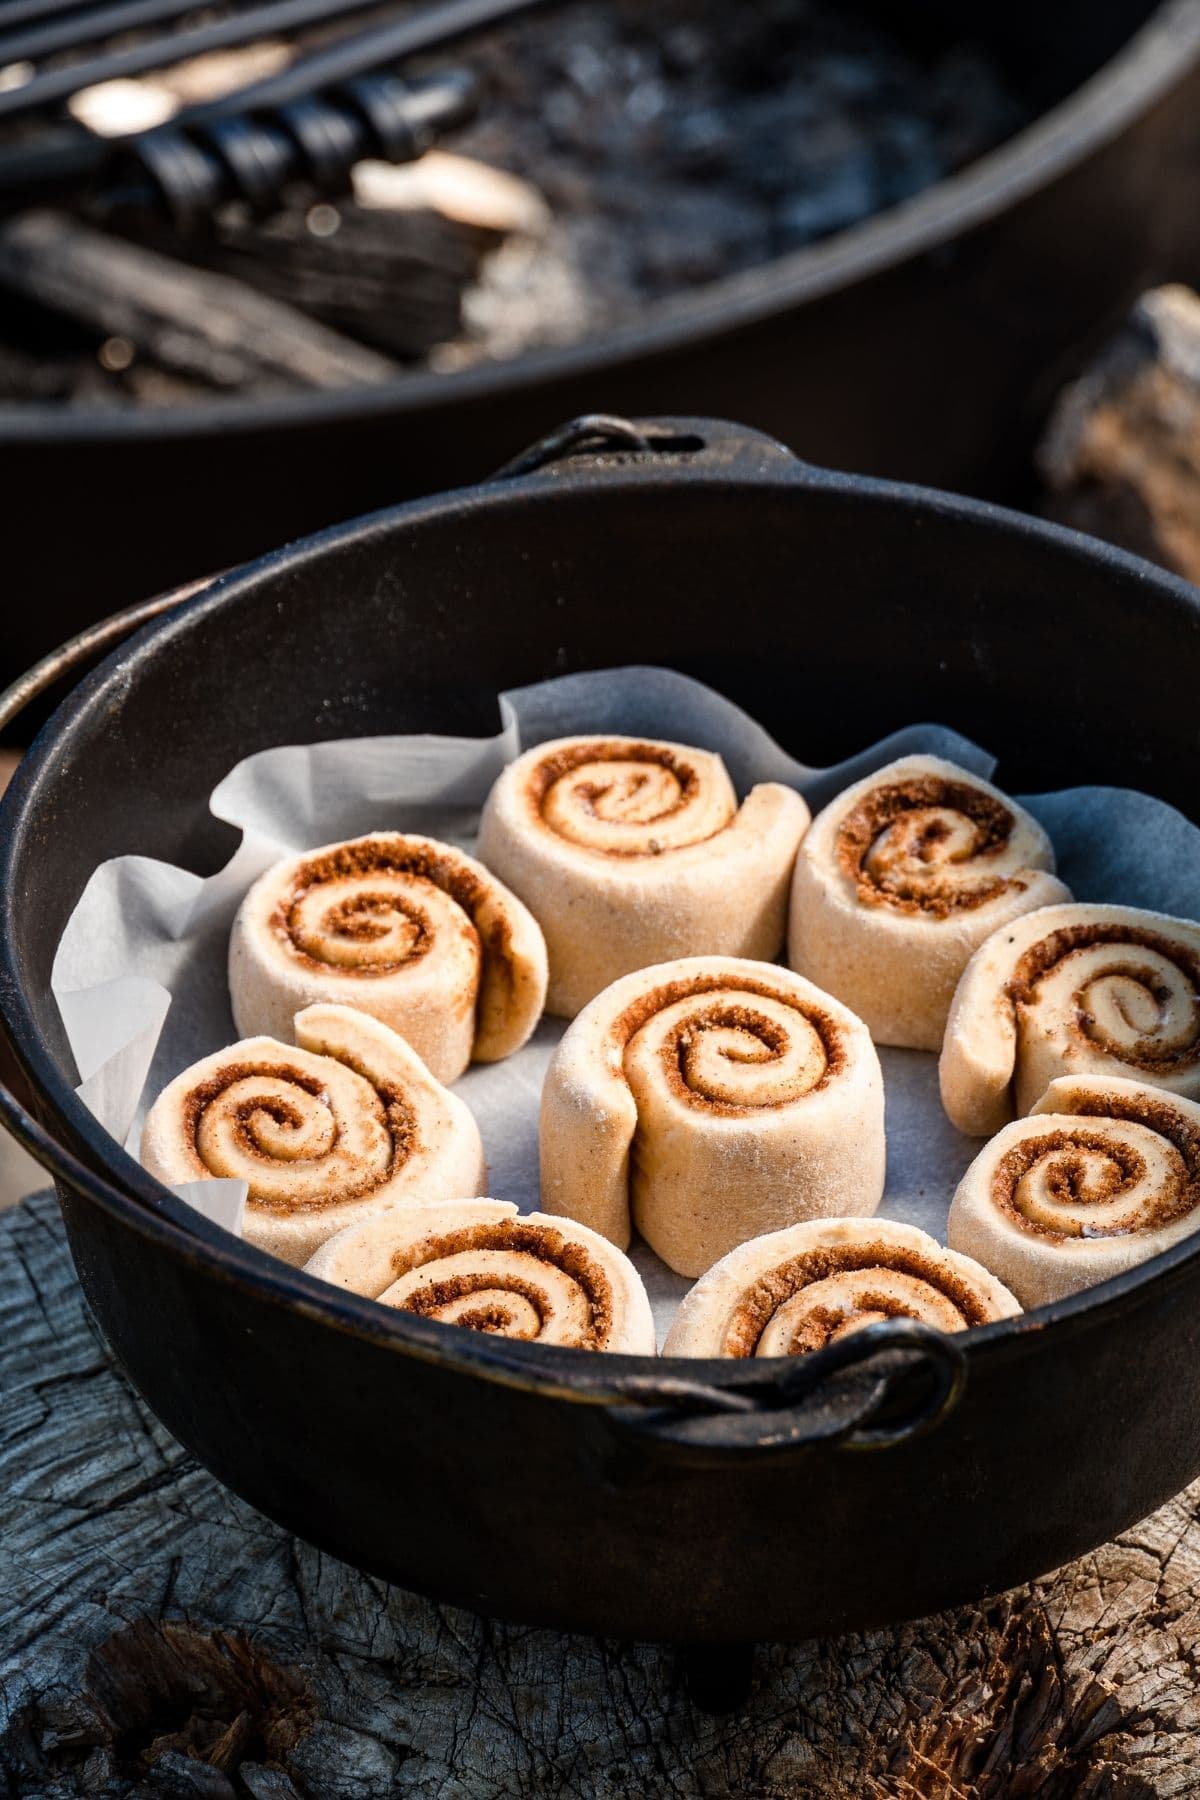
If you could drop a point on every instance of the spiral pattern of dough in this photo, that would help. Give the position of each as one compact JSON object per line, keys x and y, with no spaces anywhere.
{"x":405,"y":928}
{"x":480,"y":1265}
{"x":795,"y":1291}
{"x":898,"y":882}
{"x":1104,"y":1173}
{"x":346,"y":1123}
{"x":631,"y":852}
{"x":709,"y":1100}
{"x":1072,"y":990}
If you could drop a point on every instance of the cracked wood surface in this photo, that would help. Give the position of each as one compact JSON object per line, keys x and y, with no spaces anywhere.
{"x":160,"y":1638}
{"x":1121,"y":454}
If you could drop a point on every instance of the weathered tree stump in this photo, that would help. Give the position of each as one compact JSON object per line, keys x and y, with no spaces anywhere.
{"x":160,"y":1638}
{"x":1121,"y":455}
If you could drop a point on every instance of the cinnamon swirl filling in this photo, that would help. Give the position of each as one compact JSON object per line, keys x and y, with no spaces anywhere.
{"x":730,"y":1045}
{"x":813,"y":1299}
{"x":479,"y":1265}
{"x":1083,"y":990}
{"x":712,"y":1099}
{"x":513,"y":1279}
{"x":898,"y":882}
{"x":796,"y":1291}
{"x":347,"y":1121}
{"x":1137,"y":1169}
{"x":299,"y":1142}
{"x":1104,"y":1173}
{"x":410,"y":930}
{"x":1129,"y":992}
{"x":622,"y":797}
{"x":369,"y":907}
{"x":928,"y":844}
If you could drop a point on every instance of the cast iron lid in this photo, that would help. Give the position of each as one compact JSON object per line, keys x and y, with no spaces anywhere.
{"x":1068,"y":134}
{"x":702,"y":1392}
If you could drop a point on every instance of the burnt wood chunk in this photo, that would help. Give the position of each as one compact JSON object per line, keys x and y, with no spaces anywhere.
{"x":158,"y":1637}
{"x":1121,"y":456}
{"x":394,"y":281}
{"x":206,"y":326}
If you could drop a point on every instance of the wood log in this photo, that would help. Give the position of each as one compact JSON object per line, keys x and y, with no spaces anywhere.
{"x":158,"y":1637}
{"x":1121,"y":455}
{"x":207,"y":326}
{"x":395,"y":280}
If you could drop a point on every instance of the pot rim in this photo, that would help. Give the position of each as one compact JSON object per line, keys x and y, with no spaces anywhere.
{"x":1153,"y":60}
{"x":138,"y":1201}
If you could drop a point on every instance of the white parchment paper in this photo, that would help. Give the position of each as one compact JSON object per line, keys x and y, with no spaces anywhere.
{"x":140,"y":972}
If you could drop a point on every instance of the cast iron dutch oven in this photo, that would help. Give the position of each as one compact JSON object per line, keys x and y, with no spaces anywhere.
{"x":925,"y":344}
{"x":891,"y":1474}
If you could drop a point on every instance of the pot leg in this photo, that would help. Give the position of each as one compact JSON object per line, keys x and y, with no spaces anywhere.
{"x":718,"y":1676}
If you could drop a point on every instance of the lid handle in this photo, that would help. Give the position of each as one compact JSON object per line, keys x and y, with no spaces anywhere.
{"x":874,"y":1389}
{"x":713,"y":444}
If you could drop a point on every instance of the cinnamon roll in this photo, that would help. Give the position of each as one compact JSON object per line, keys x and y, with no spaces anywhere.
{"x":710,"y":1100}
{"x":479,"y":1264}
{"x":900,"y":879}
{"x":347,"y":1124}
{"x":404,"y":928}
{"x":1103,"y":1174}
{"x":1072,"y":990}
{"x":630,"y":852}
{"x":797,"y":1290}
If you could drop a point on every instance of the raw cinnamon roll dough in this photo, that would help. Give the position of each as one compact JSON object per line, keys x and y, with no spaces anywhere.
{"x":1104,"y":1174}
{"x":629,"y":852}
{"x":1105,"y":990}
{"x":405,"y":928}
{"x":797,"y":1290}
{"x":347,"y":1125}
{"x":477,"y":1263}
{"x":713,"y":1098}
{"x":900,"y":879}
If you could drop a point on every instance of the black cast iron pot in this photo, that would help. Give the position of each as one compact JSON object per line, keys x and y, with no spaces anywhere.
{"x":891,"y":1474}
{"x":925,"y":344}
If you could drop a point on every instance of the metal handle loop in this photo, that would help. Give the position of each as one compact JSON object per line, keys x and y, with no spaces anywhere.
{"x":95,"y":641}
{"x":942,"y":1361}
{"x":68,"y":659}
{"x":590,"y":432}
{"x":851,"y":1395}
{"x":709,"y":445}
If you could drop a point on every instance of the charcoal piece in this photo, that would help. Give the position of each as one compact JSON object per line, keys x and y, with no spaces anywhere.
{"x":394,"y":280}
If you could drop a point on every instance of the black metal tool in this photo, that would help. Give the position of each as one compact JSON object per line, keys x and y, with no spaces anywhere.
{"x":184,"y":171}
{"x":189,"y":171}
{"x":416,"y":33}
{"x":56,"y":29}
{"x":24,"y":12}
{"x":925,"y":345}
{"x":311,"y":122}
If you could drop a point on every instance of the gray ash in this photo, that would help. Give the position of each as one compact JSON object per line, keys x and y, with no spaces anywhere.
{"x":686,"y":141}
